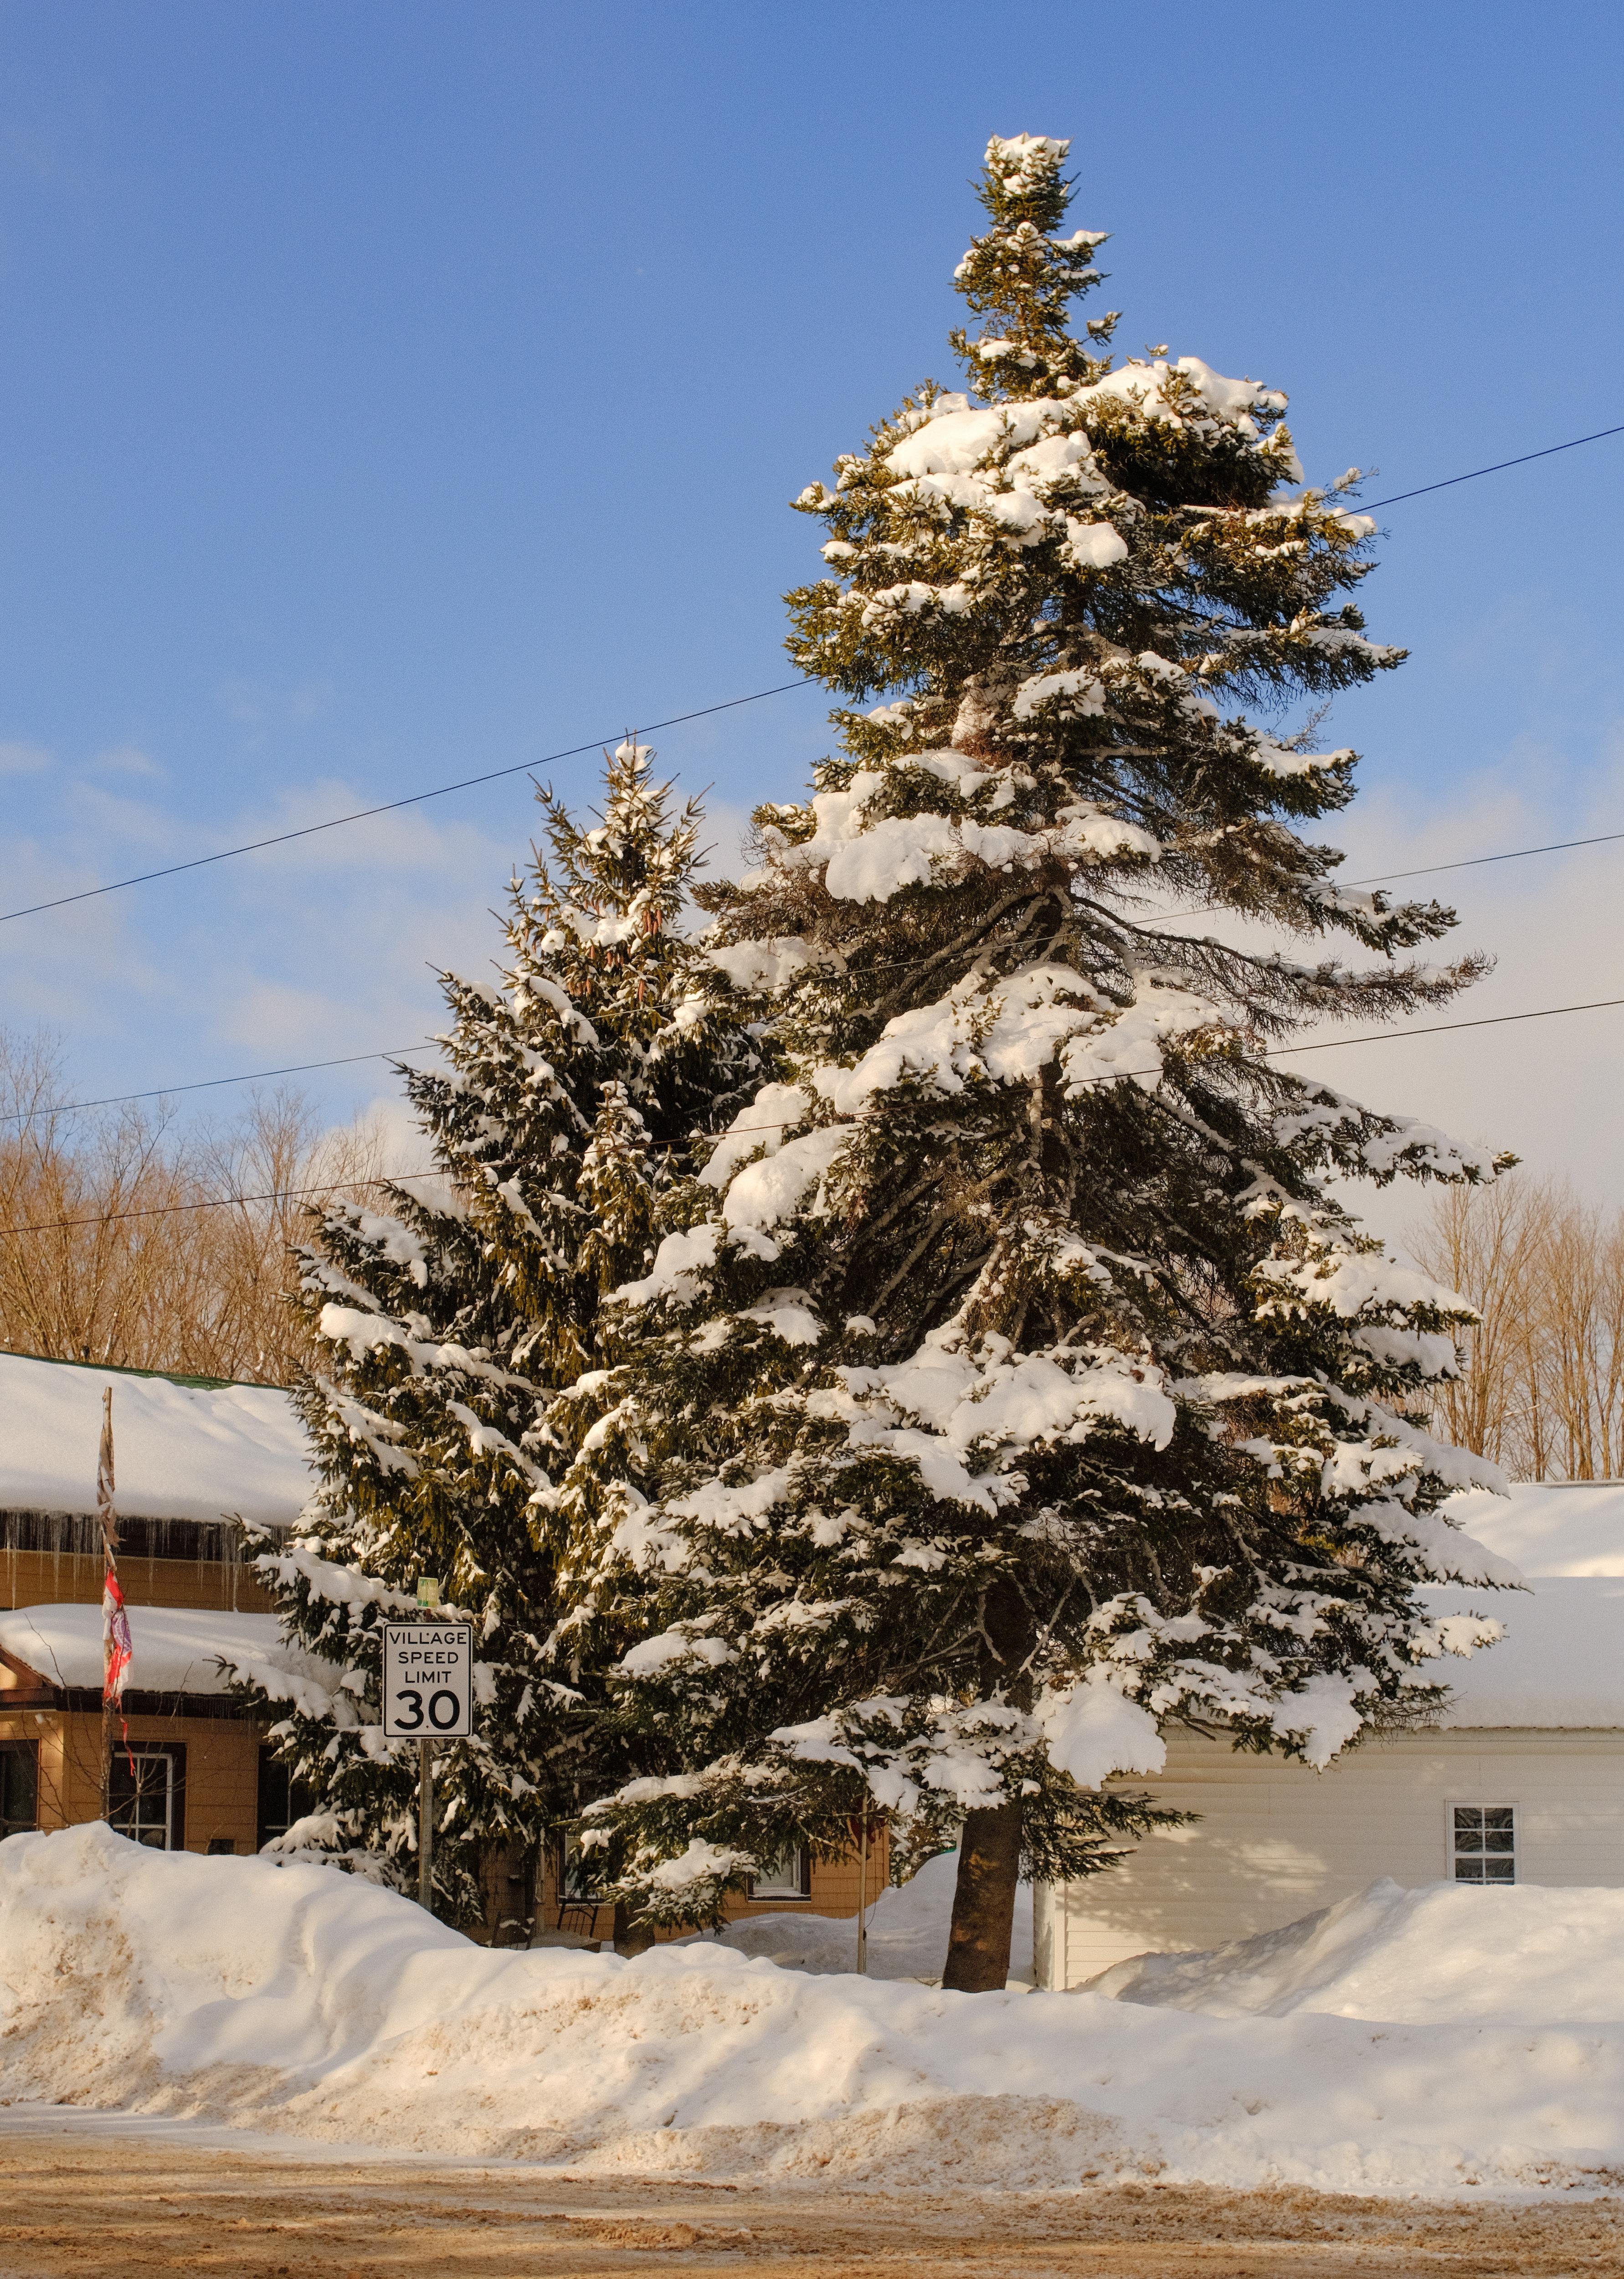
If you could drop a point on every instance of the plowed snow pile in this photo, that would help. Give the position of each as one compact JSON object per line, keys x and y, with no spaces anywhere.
{"x":302,"y":2000}
{"x":1441,"y":1955}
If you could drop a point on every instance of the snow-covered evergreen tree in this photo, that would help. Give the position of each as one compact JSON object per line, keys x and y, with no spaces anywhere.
{"x":451,"y":1316}
{"x":1012,"y":1379}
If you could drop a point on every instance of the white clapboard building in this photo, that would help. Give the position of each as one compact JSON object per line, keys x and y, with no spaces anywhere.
{"x":1522,"y":1780}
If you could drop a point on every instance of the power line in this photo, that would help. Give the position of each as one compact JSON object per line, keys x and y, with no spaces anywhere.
{"x":1118,"y":1076}
{"x":1474,"y":861}
{"x":1437,"y":1028}
{"x":521,"y":767}
{"x":211,"y":1202}
{"x":1498,"y":467}
{"x":386,"y":807}
{"x":205,"y":1084}
{"x":399,"y":1051}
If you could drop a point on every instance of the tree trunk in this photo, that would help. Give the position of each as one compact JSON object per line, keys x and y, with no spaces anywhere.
{"x":631,"y":1937}
{"x":984,"y":1901}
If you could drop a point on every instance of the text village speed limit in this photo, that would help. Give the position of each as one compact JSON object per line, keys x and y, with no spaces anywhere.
{"x":428,"y":1681}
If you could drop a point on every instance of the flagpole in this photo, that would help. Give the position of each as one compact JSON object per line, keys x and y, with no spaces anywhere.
{"x":109,"y":1518}
{"x":117,"y":1648}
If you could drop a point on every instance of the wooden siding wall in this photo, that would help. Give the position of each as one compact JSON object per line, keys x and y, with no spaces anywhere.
{"x":222,"y":1769}
{"x":1275,"y":1840}
{"x":834,"y":1893}
{"x":56,"y":1578}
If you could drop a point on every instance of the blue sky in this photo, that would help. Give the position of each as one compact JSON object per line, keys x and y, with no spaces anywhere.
{"x":397,"y":391}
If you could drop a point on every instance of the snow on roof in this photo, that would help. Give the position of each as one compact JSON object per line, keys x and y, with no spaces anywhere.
{"x":1550,"y":1527}
{"x":177,"y":1649}
{"x":180,"y":1451}
{"x":1560,"y":1663}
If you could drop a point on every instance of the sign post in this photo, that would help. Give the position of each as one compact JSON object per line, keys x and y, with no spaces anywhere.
{"x":427,"y":1697}
{"x":864,"y":1825}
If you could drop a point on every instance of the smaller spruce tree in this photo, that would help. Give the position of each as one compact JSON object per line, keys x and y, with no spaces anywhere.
{"x":450,"y":1318}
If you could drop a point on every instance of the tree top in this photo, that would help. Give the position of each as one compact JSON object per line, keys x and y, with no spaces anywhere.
{"x":1023,"y":277}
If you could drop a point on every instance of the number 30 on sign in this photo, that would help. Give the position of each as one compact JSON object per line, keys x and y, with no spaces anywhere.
{"x":428,"y":1681}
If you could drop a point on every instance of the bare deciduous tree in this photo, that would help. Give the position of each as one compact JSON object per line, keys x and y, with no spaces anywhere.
{"x":115,"y":1245}
{"x":1542,"y":1384}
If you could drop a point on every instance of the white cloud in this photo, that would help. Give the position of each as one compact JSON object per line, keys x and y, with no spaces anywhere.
{"x":726,"y":825}
{"x":260,"y":705}
{"x":326,"y":946}
{"x":18,"y":758}
{"x":129,"y":759}
{"x":1552,"y":1090}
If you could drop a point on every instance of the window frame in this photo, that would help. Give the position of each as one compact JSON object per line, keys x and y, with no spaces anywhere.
{"x":266,"y":1825}
{"x":173,"y":1752}
{"x":801,"y":1855}
{"x":1454,"y":1804}
{"x":22,"y":1746}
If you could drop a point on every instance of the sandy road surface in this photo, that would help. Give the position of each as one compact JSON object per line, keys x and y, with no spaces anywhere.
{"x":73,"y":2202}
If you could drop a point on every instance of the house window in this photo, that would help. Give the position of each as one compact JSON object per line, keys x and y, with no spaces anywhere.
{"x":580,"y":1875}
{"x":789,"y":1877}
{"x":19,"y":1787}
{"x":282,"y":1798}
{"x":146,"y":1796}
{"x":1483,"y":1843}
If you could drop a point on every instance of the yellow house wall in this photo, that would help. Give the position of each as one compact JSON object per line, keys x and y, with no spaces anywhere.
{"x":835,"y":1884}
{"x":1275,"y":1840}
{"x":56,"y":1579}
{"x":222,"y":1769}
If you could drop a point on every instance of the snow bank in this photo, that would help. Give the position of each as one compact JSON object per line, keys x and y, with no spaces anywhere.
{"x":297,"y":2000}
{"x":1524,"y":1956}
{"x":181,"y":1451}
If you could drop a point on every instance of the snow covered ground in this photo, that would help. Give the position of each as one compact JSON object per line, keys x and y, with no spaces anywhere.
{"x":299,"y":2001}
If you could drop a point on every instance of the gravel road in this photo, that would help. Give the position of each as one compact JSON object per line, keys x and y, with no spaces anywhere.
{"x":85,"y":2200}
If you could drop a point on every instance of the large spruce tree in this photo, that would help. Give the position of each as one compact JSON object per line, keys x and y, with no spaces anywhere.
{"x":1012,"y":1379}
{"x":451,"y":1315}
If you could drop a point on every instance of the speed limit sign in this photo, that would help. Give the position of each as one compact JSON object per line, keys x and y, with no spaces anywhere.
{"x":427,"y":1681}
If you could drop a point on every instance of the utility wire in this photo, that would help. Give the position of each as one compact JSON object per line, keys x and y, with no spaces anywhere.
{"x":206,"y":1083}
{"x":302,"y":1068}
{"x":520,"y":767}
{"x":1498,"y":467}
{"x":1437,"y":1028}
{"x":399,"y":1051}
{"x":386,"y":807}
{"x":211,"y":1202}
{"x":1118,"y":1076}
{"x":1474,"y":861}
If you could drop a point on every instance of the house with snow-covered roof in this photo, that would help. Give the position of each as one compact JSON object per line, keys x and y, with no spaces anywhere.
{"x":1521,"y":1780}
{"x":195,"y":1458}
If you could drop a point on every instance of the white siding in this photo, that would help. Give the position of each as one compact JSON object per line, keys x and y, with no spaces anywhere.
{"x":1275,"y":1840}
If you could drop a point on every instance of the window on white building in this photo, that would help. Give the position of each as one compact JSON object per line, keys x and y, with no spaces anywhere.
{"x":1483,"y":1843}
{"x":786,"y":1877}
